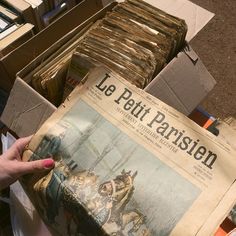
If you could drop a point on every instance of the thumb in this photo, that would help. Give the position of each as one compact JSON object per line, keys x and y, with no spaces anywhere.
{"x":34,"y":166}
{"x":22,"y":142}
{"x":16,"y":150}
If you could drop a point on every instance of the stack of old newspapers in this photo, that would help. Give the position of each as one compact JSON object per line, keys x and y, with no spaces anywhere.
{"x":135,"y":40}
{"x":128,"y":164}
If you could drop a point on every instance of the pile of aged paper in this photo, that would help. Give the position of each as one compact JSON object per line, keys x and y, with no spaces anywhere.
{"x":135,"y":40}
{"x":49,"y":78}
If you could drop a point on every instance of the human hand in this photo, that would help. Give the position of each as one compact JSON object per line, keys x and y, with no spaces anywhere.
{"x":12,"y":167}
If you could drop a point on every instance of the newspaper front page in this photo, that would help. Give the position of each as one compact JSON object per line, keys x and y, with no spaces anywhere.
{"x":128,"y":164}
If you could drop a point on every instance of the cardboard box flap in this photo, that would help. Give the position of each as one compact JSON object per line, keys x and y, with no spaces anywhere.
{"x":167,"y":95}
{"x":187,"y":81}
{"x":195,"y":16}
{"x":25,"y":110}
{"x":191,"y":54}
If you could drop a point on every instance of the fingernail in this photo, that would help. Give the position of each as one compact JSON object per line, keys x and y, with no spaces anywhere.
{"x":48,"y":163}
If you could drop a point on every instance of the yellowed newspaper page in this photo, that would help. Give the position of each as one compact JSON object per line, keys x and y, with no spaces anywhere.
{"x":127,"y":164}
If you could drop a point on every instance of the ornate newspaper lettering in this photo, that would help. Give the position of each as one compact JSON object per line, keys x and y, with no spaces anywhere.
{"x":127,"y":164}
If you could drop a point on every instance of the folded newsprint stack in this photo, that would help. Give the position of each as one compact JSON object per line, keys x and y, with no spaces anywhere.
{"x":135,"y":39}
{"x":128,"y":164}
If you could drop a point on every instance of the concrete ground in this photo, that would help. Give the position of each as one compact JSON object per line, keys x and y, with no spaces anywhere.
{"x":216,"y":46}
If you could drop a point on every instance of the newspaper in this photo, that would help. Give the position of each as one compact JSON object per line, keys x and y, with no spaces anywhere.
{"x":128,"y":164}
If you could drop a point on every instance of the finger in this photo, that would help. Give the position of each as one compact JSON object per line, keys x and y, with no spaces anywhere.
{"x":16,"y":150}
{"x":21,"y":143}
{"x":34,"y":166}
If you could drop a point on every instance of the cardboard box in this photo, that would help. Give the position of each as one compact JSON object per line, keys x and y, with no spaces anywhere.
{"x":183,"y":83}
{"x":21,"y":56}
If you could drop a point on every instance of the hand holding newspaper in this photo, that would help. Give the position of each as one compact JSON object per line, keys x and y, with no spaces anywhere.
{"x":128,"y":164}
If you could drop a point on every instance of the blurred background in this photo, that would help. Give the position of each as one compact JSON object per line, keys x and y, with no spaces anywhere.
{"x":216,"y":46}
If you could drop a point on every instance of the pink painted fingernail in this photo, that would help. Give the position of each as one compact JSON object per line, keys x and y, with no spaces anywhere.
{"x":48,"y":163}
